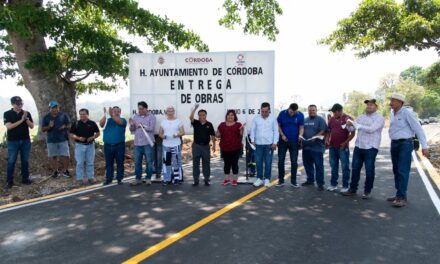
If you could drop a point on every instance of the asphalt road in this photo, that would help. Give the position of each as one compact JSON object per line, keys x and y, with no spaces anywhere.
{"x":280,"y":225}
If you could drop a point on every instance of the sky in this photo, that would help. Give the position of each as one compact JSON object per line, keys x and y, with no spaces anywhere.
{"x":305,"y":72}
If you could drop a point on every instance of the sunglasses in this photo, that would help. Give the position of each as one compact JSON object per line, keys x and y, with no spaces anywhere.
{"x":19,"y":103}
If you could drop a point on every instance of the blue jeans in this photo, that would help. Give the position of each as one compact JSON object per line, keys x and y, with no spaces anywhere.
{"x":14,"y":147}
{"x":361,"y":156}
{"x":263,"y":155}
{"x":139,"y":153}
{"x":401,"y":159}
{"x":85,"y":153}
{"x":313,"y":162}
{"x":343,"y":155}
{"x":114,"y":152}
{"x":158,"y":160}
{"x":283,"y":146}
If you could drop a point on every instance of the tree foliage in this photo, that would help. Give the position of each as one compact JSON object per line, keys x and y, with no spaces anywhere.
{"x":84,"y":37}
{"x":354,"y":104}
{"x":257,"y":17}
{"x":387,"y":25}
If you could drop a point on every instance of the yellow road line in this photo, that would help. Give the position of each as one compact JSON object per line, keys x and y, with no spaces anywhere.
{"x":174,"y":238}
{"x":432,"y":172}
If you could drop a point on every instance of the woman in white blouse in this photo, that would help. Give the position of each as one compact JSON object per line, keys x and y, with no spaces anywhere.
{"x":171,"y":130}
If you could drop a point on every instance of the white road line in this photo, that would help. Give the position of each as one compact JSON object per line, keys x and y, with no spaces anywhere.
{"x":434,"y":197}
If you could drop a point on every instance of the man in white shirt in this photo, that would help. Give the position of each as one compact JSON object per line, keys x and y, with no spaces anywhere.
{"x":403,"y":126}
{"x":264,"y":136}
{"x":369,"y":126}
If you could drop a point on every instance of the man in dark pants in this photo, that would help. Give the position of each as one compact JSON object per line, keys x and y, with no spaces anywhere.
{"x":114,"y":144}
{"x":314,"y":148}
{"x":369,"y":126}
{"x":203,"y":134}
{"x":403,"y":126}
{"x":18,"y":122}
{"x":291,"y":128}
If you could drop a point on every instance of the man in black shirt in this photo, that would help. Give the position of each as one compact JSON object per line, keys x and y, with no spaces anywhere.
{"x":84,"y":133}
{"x":18,"y":122}
{"x":203,"y":134}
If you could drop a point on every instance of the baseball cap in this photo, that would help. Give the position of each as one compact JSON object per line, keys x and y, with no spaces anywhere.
{"x":336,"y":107}
{"x":16,"y":99}
{"x":373,"y":101}
{"x":53,"y":104}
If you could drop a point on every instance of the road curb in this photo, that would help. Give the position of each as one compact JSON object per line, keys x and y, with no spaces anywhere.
{"x":432,"y":172}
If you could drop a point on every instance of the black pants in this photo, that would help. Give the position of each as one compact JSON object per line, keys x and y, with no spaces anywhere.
{"x":201,"y":152}
{"x":231,"y":161}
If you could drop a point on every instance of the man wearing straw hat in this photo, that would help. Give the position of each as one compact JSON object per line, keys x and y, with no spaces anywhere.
{"x":403,"y":126}
{"x":142,"y":125}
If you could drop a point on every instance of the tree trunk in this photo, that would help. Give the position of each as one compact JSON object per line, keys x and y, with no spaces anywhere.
{"x":42,"y":86}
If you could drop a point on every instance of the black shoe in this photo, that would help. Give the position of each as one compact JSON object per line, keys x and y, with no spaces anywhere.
{"x":26,"y":182}
{"x":9,"y":185}
{"x":55,"y":174}
{"x":196,"y":183}
{"x":120,"y":182}
{"x":307,"y":183}
{"x":207,"y":183}
{"x":320,"y":188}
{"x":107,"y":182}
{"x":66,"y":174}
{"x":165,"y":183}
{"x":176,"y":182}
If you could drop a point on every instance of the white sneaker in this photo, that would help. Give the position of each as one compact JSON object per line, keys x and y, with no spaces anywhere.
{"x":266,"y":183}
{"x":332,"y":188}
{"x":258,"y":183}
{"x":344,"y":190}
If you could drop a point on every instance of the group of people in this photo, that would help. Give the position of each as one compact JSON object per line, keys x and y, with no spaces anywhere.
{"x":289,"y":131}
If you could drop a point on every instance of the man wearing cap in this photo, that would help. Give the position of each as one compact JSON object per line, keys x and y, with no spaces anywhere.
{"x":369,"y":126}
{"x":84,"y":132}
{"x":18,"y":122}
{"x":57,"y":125}
{"x":403,"y":126}
{"x":338,"y":140}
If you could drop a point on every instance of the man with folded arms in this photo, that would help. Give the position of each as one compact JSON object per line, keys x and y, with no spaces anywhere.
{"x":18,"y":122}
{"x":403,"y":126}
{"x":84,"y":132}
{"x":369,"y":126}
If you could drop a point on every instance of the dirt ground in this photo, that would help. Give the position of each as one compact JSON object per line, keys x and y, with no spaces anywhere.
{"x":43,"y":184}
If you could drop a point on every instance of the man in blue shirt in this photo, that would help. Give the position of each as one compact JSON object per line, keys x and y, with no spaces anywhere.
{"x":114,"y":143}
{"x":57,"y":126}
{"x":313,"y":148}
{"x":291,"y":127}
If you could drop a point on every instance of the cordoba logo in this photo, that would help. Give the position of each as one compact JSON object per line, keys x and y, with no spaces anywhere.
{"x":161,"y":60}
{"x":198,"y":60}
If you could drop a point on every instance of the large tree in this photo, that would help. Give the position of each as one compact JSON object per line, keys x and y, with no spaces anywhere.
{"x":388,"y":25}
{"x":55,"y":46}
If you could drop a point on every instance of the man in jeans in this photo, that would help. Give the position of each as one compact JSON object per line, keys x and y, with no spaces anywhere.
{"x":84,"y":133}
{"x":291,"y":129}
{"x":203,"y":134}
{"x":338,"y":140}
{"x":18,"y":122}
{"x":57,"y":124}
{"x":114,"y":144}
{"x":403,"y":126}
{"x":264,"y":136}
{"x":369,"y":126}
{"x":142,"y":125}
{"x":313,"y":148}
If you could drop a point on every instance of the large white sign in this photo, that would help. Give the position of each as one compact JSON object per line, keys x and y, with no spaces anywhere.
{"x":217,"y":81}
